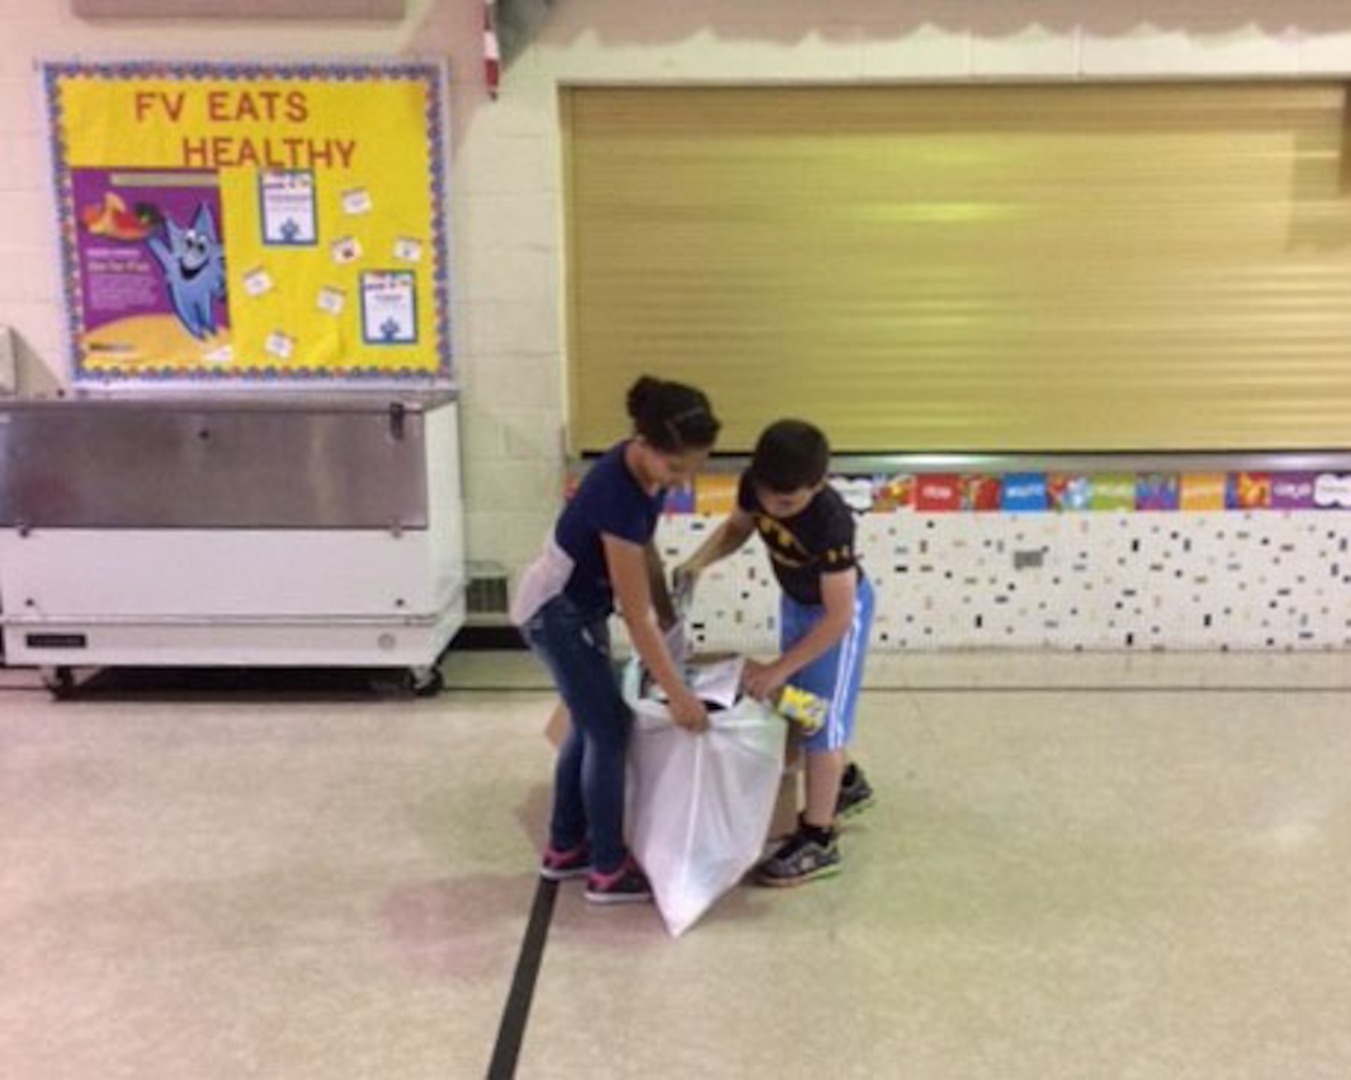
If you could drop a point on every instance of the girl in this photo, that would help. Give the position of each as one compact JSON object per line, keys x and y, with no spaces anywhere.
{"x":600,"y":552}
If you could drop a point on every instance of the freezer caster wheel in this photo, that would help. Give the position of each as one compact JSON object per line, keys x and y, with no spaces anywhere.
{"x":59,"y":681}
{"x":426,"y":682}
{"x":409,"y":682}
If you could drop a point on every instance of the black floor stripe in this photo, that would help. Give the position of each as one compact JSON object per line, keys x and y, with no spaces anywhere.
{"x":512,"y":1031}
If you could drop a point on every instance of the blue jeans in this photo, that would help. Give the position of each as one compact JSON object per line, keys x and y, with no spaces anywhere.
{"x":589,"y":778}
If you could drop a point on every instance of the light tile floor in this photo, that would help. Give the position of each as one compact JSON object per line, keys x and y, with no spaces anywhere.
{"x":1088,"y":866}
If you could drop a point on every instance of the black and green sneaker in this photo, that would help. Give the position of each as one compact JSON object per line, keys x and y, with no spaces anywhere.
{"x":856,"y":794}
{"x":805,"y":856}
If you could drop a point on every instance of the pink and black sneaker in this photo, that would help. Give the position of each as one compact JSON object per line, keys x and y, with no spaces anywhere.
{"x":564,"y":865}
{"x":627,"y":885}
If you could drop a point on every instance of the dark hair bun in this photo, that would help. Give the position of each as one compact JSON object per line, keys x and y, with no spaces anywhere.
{"x":642,"y":396}
{"x":671,"y":416}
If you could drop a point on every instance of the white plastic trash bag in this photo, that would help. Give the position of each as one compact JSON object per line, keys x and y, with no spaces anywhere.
{"x":699,"y":805}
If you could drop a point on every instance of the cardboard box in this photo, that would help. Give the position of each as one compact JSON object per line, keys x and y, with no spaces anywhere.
{"x":783,"y":821}
{"x":558,"y":725}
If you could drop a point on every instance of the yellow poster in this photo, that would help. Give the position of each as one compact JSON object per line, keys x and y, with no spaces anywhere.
{"x":1203,"y":491}
{"x":249,"y":222}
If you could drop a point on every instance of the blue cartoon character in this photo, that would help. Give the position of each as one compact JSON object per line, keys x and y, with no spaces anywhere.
{"x":194,"y":270}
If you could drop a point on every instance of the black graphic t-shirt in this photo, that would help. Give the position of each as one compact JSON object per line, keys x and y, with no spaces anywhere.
{"x":818,"y":540}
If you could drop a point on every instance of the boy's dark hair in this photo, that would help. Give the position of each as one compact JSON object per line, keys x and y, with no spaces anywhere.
{"x":790,"y":455}
{"x":671,"y":416}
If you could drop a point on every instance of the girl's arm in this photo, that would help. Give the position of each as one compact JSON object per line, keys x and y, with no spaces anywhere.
{"x":628,"y":566}
{"x":656,"y":585}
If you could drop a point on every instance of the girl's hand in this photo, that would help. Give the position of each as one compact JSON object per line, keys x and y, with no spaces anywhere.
{"x":689,"y":712}
{"x":683,"y":579}
{"x":762,"y":680}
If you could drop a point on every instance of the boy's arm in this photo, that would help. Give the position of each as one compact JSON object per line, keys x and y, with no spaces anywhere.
{"x":628,"y":568}
{"x":728,"y":537}
{"x":838,"y":592}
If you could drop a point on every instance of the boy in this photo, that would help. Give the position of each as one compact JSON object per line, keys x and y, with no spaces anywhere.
{"x":827,"y":608}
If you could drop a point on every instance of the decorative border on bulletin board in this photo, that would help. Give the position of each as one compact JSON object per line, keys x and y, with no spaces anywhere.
{"x":432,"y":74}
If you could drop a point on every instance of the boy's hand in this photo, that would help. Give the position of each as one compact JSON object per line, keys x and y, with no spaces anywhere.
{"x":762,"y":680}
{"x":689,"y":712}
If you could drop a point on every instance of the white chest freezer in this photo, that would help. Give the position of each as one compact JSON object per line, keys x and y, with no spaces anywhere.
{"x":259,"y":531}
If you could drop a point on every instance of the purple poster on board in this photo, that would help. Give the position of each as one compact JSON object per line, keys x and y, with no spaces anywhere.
{"x":151,"y":264}
{"x":1292,"y":491}
{"x":1157,"y":491}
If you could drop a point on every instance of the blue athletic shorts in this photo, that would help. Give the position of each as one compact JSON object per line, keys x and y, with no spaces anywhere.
{"x":836,"y":675}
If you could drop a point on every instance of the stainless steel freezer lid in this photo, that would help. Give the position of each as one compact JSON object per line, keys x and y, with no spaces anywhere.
{"x":219,"y":461}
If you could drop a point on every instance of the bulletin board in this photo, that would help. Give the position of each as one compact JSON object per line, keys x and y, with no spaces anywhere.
{"x":241,"y":223}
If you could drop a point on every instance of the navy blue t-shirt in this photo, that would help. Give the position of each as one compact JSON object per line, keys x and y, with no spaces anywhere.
{"x":817,"y":540}
{"x":609,"y":500}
